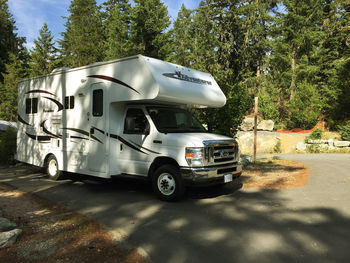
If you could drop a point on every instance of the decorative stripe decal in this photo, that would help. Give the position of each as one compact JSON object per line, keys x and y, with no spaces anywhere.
{"x":98,"y":129}
{"x":145,"y":148}
{"x":31,"y":136}
{"x":59,"y":104}
{"x":23,"y":121}
{"x":39,"y":138}
{"x":114,"y":136}
{"x":83,"y":132}
{"x":113,"y":80}
{"x":78,"y":137}
{"x":42,"y":125}
{"x":40,"y":91}
{"x":78,"y":131}
{"x":43,"y":138}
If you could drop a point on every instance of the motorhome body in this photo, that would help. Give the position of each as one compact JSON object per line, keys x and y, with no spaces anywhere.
{"x":125,"y":117}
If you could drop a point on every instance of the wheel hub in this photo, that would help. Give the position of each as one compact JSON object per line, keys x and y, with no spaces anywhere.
{"x":166,"y":184}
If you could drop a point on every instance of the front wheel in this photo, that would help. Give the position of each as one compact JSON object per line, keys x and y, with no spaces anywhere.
{"x":52,"y":168}
{"x":167,"y":183}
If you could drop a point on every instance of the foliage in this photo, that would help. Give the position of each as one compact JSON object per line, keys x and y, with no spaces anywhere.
{"x":8,"y":145}
{"x":16,"y":70}
{"x":293,"y":54}
{"x":9,"y":41}
{"x":344,"y":131}
{"x":117,"y":26}
{"x":305,"y":107}
{"x":277,"y":148}
{"x":82,"y":42}
{"x":315,"y":135}
{"x":43,"y":58}
{"x":149,"y":22}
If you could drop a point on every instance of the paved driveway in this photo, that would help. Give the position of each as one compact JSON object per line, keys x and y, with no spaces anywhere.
{"x":306,"y":224}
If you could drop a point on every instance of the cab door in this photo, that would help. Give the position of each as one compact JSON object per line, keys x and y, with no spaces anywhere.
{"x":97,"y":155}
{"x":135,"y":153}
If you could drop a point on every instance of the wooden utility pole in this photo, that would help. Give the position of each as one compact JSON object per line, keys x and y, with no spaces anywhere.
{"x":255,"y":125}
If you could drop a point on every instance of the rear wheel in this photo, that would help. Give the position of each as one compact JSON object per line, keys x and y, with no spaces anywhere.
{"x":167,"y":183}
{"x":52,"y":168}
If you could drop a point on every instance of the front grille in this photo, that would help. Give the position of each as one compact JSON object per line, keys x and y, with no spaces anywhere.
{"x":220,"y":152}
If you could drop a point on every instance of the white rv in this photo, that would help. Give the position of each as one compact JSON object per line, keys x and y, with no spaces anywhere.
{"x":125,"y":117}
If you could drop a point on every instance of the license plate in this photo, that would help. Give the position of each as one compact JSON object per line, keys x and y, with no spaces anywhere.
{"x":227,"y":178}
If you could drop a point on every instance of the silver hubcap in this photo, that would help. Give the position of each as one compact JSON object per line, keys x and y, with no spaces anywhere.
{"x":52,"y":167}
{"x":166,"y":184}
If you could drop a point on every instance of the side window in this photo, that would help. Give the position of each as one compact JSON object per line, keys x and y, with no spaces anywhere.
{"x":97,"y":103}
{"x":31,"y":105}
{"x":28,"y":106}
{"x":136,"y":122}
{"x":34,"y":105}
{"x":69,"y":102}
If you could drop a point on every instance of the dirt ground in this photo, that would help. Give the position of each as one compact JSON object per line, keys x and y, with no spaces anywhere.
{"x":275,"y":174}
{"x":54,"y":234}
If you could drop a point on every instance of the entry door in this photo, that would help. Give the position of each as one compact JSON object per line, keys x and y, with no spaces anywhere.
{"x":97,"y":156}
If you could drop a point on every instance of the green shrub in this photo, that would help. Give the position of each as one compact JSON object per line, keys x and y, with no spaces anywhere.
{"x":314,"y":148}
{"x":344,"y":131}
{"x":315,"y":135}
{"x":8,"y":146}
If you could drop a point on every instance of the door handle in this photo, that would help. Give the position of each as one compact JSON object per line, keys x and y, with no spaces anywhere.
{"x":92,"y":130}
{"x":157,"y":141}
{"x":121,"y":147}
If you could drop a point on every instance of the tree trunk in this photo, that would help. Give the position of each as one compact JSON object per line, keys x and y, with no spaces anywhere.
{"x":292,"y":83}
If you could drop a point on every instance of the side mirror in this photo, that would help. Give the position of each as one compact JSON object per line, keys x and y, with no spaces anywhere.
{"x":146,"y":131}
{"x":129,"y":124}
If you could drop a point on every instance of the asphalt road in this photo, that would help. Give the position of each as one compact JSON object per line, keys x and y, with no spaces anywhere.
{"x":306,"y":224}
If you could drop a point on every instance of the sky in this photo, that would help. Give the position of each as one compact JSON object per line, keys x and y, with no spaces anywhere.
{"x":30,"y":15}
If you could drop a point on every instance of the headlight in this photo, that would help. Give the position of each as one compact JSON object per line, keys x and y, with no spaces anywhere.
{"x":195,"y":156}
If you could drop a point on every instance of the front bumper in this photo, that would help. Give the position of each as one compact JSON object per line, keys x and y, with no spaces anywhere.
{"x":203,"y":176}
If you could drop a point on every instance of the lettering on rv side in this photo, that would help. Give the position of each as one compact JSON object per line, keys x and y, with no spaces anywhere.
{"x":180,"y":76}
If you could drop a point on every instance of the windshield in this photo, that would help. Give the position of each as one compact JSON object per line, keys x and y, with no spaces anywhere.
{"x":172,"y":120}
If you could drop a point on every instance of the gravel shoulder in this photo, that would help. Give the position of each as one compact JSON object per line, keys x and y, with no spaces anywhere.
{"x":52,"y":233}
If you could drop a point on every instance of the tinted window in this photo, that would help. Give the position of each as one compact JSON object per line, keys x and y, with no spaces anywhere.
{"x":172,"y":120}
{"x":66,"y":102}
{"x":135,"y":122}
{"x":71,"y":102}
{"x":28,"y":106}
{"x":31,"y":105}
{"x":97,"y":102}
{"x":34,"y":105}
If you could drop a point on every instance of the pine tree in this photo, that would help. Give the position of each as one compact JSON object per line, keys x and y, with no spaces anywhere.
{"x":148,"y":28}
{"x":43,"y":56}
{"x":181,"y":42}
{"x":16,"y":70}
{"x":117,"y":24}
{"x":9,"y":41}
{"x":83,"y":39}
{"x":216,"y":41}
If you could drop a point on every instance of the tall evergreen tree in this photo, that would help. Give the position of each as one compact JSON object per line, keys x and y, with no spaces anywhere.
{"x":117,"y":27}
{"x":43,"y":56}
{"x":181,"y":44}
{"x":9,"y":41}
{"x":16,"y":70}
{"x":83,"y":39}
{"x":148,"y":28}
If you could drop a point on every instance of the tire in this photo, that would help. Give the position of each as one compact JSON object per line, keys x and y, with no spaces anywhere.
{"x":52,"y":168}
{"x":167,"y":183}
